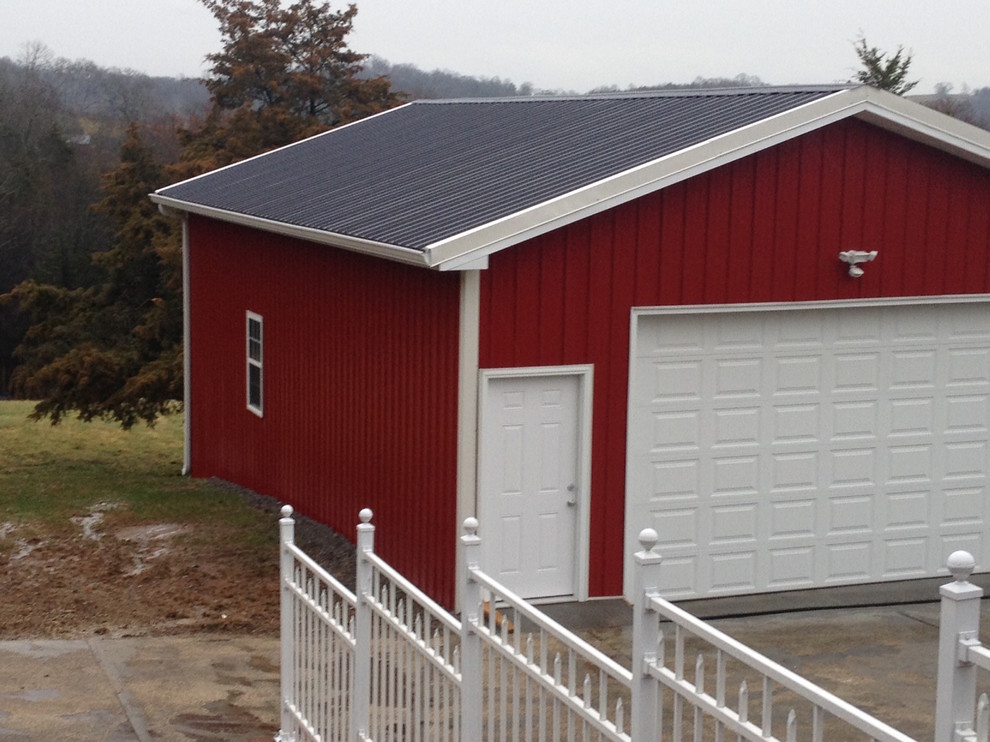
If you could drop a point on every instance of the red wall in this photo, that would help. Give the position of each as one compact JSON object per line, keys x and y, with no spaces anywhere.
{"x":765,"y":228}
{"x":360,"y":384}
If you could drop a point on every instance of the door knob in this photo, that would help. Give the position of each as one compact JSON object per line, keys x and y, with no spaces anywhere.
{"x":572,"y":501}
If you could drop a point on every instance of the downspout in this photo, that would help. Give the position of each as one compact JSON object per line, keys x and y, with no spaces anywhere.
{"x":186,"y":355}
{"x":186,"y":363}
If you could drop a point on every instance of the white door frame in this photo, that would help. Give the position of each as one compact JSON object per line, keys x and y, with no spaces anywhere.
{"x":585,"y":377}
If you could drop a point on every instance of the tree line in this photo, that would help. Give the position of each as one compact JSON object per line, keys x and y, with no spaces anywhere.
{"x":90,"y":271}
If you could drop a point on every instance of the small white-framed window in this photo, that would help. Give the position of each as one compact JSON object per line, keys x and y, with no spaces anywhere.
{"x":255,"y":363}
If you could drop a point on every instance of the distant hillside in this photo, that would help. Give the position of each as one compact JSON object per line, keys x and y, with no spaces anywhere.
{"x":417,"y":84}
{"x":972,"y":106}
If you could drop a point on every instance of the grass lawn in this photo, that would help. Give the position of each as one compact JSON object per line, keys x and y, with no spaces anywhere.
{"x":50,"y":473}
{"x":99,"y":532}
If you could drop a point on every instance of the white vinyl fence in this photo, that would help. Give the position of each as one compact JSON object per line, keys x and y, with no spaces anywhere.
{"x":958,"y":715}
{"x":389,"y":664}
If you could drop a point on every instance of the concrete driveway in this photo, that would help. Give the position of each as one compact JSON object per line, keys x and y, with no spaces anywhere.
{"x":221,"y":687}
{"x":119,"y":690}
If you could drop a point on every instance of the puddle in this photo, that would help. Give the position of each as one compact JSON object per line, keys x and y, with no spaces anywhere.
{"x":222,"y":720}
{"x":89,"y":523}
{"x":149,"y":543}
{"x":35,"y":696}
{"x":24,"y":548}
{"x":155,"y":532}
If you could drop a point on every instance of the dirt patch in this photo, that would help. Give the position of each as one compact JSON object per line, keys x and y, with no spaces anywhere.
{"x":151,"y":579}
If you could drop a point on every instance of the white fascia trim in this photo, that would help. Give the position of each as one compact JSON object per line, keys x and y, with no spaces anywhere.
{"x":921,"y":123}
{"x":875,"y":106}
{"x":777,"y":306}
{"x":277,"y":149}
{"x":405,"y":255}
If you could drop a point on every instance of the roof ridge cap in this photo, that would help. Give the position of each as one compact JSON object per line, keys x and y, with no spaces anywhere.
{"x":651,"y":93}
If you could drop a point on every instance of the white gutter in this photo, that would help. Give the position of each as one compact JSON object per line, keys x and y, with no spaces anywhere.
{"x":406,"y":255}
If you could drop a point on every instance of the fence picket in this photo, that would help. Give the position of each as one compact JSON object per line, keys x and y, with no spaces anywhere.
{"x":387,"y":663}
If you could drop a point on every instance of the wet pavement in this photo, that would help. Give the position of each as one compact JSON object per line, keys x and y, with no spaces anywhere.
{"x":874,"y":646}
{"x":161,"y":689}
{"x":222,"y":687}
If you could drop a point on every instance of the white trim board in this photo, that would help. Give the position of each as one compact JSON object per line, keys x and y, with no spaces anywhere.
{"x":467,"y":409}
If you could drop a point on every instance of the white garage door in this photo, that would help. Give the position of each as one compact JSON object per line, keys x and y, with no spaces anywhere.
{"x":793,"y":448}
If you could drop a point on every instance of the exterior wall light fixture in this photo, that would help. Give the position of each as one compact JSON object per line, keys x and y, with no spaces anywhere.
{"x":854,"y":258}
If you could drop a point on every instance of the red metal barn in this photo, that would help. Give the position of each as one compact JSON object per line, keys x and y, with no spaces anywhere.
{"x":755,"y":320}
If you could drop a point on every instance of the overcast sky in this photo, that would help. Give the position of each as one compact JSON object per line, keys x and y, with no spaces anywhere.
{"x":573,"y":45}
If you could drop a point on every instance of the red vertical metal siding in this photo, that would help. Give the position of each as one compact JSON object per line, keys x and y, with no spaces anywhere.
{"x":360,"y":388}
{"x":768,"y":227}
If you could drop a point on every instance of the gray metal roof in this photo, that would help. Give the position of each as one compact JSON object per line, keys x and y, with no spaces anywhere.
{"x":430,"y":170}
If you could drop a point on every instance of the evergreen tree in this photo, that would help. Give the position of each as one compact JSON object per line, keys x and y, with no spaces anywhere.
{"x":111,"y":350}
{"x":283,"y":74}
{"x":881,"y":70}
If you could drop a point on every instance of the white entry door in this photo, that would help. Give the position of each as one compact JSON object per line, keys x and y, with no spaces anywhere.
{"x":530,"y":493}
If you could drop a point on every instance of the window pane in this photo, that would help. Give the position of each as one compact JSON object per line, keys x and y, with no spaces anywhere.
{"x":254,"y":386}
{"x":254,"y":350}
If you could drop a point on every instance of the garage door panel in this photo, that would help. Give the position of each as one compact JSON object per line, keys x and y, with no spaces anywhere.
{"x":677,"y":523}
{"x":907,"y":510}
{"x":790,"y":568}
{"x":738,"y":475}
{"x":911,"y":417}
{"x":791,"y":519}
{"x":848,"y":562}
{"x":738,"y":377}
{"x":966,"y":414}
{"x":851,"y":514}
{"x":851,"y":329}
{"x":965,"y":460}
{"x":774,"y":450}
{"x":912,"y":326}
{"x":854,"y":421}
{"x":797,"y":375}
{"x":906,"y":558}
{"x":913,"y":370}
{"x":797,"y":423}
{"x":909,"y":465}
{"x":673,"y":478}
{"x":968,"y":367}
{"x":736,"y":334}
{"x":733,"y":572}
{"x":676,"y":381}
{"x":676,"y":430}
{"x":734,"y":523}
{"x":968,"y":323}
{"x":736,"y":427}
{"x":965,"y":506}
{"x":794,"y":472}
{"x":853,"y":468}
{"x":856,"y":372}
